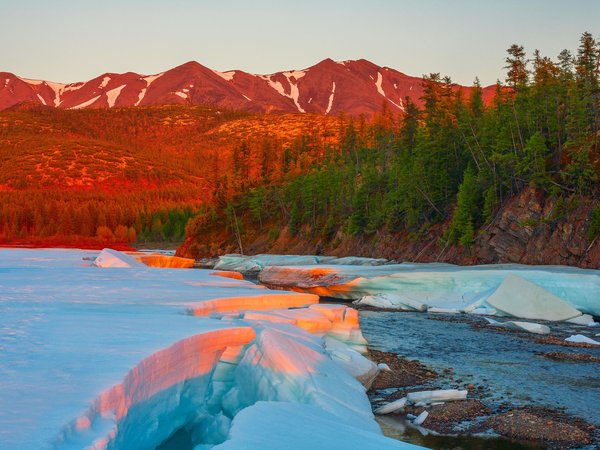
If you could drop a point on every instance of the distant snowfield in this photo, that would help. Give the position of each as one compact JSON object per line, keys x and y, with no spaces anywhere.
{"x":115,"y":358}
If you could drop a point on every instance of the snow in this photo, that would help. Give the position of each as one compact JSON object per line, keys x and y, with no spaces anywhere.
{"x":378,"y":85}
{"x":330,"y":103}
{"x":113,"y":94}
{"x":26,"y":80}
{"x":581,"y":339}
{"x":58,"y":89}
{"x":181,"y":94}
{"x":73,"y":87}
{"x":141,"y":95}
{"x":104,"y":82}
{"x":152,"y":78}
{"x":107,"y":358}
{"x":247,"y":98}
{"x":294,"y":92}
{"x":87,"y":103}
{"x":149,"y":80}
{"x":297,"y":74}
{"x":227,"y":76}
{"x":41,"y":99}
{"x":439,"y":285}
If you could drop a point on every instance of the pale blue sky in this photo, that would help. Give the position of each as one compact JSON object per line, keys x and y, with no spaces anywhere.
{"x":68,"y":40}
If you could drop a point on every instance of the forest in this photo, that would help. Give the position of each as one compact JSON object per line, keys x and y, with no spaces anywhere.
{"x":453,"y":161}
{"x":135,"y":176}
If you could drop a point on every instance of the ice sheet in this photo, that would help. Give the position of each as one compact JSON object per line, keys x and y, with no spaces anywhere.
{"x":436,"y":285}
{"x":256,"y":263}
{"x":299,"y":427}
{"x":107,"y":357}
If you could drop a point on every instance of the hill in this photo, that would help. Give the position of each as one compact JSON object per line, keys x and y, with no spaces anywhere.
{"x":87,"y":177}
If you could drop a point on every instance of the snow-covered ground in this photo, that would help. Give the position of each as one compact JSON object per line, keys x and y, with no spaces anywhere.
{"x":123,"y":357}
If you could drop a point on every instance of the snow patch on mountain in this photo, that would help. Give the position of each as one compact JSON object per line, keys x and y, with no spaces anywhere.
{"x":183,"y":95}
{"x":41,"y":99}
{"x":141,"y":96}
{"x":113,"y":94}
{"x":84,"y":104}
{"x":58,"y":89}
{"x":378,"y":85}
{"x":227,"y":76}
{"x":297,"y":74}
{"x":104,"y":82}
{"x":151,"y":78}
{"x":294,"y":92}
{"x":330,"y":104}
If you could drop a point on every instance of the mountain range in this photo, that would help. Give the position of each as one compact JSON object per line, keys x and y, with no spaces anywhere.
{"x":329,"y":87}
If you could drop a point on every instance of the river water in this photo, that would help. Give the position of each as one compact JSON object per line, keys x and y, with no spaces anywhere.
{"x":509,"y":365}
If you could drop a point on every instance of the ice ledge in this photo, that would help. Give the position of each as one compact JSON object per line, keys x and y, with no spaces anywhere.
{"x":167,"y":369}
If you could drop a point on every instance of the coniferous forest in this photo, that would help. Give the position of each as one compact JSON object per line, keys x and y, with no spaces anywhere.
{"x":450,"y":164}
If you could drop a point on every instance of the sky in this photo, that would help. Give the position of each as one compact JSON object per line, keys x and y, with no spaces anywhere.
{"x":68,"y":41}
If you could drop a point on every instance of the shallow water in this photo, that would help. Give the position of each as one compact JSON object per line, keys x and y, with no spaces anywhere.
{"x":399,"y":428}
{"x":508,"y":364}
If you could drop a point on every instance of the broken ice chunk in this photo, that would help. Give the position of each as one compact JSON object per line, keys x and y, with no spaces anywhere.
{"x":384,"y":367}
{"x":581,"y":339}
{"x":113,"y":258}
{"x":392,"y":407}
{"x":442,"y":395}
{"x":523,"y":326}
{"x":392,"y":301}
{"x":521,"y":298}
{"x":421,"y":418}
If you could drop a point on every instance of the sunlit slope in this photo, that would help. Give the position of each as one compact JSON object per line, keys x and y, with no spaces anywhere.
{"x":125,"y":166}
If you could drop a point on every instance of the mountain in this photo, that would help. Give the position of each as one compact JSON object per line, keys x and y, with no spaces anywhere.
{"x":329,"y":87}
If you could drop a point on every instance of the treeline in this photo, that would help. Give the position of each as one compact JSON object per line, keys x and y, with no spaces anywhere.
{"x":143,"y":216}
{"x":454,"y":160}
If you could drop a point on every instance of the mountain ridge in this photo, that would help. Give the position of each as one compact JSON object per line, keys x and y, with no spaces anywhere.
{"x":350,"y":87}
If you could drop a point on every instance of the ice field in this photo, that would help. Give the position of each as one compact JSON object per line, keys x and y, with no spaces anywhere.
{"x":126,"y":357}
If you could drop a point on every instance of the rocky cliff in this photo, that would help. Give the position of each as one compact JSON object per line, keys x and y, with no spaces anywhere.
{"x":530,"y":228}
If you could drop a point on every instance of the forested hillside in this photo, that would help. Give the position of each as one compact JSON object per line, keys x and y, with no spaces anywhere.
{"x":440,"y":175}
{"x":118,"y":176}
